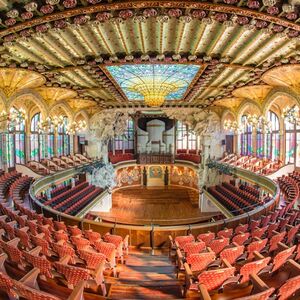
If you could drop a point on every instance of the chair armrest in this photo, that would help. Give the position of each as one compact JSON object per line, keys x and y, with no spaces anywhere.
{"x":64,"y":260}
{"x":258,"y":284}
{"x":204,"y":295}
{"x":282,"y":246}
{"x":99,"y":273}
{"x":30,"y":279}
{"x":77,"y":293}
{"x":226,"y":263}
{"x":293,"y":266}
{"x":35,"y":251}
{"x":3,"y":257}
{"x":14,"y":242}
{"x":257,"y":255}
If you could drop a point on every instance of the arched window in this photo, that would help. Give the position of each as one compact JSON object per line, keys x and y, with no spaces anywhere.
{"x":126,"y":141}
{"x":185,"y":139}
{"x":50,"y":143}
{"x":259,"y":143}
{"x":63,"y":139}
{"x":37,"y":140}
{"x":16,"y":143}
{"x":246,"y":137}
{"x":273,"y":138}
{"x":290,"y":143}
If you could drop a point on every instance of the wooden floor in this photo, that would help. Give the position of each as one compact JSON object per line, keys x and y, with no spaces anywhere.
{"x":159,"y":205}
{"x":146,"y":277}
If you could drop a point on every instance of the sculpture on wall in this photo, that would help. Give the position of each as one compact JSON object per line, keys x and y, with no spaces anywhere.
{"x":104,"y":177}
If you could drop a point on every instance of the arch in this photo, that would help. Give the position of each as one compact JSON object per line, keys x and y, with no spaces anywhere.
{"x":277,"y":92}
{"x":250,"y":105}
{"x":65,"y":107}
{"x":84,"y":114}
{"x":33,"y":96}
{"x":227,"y":112}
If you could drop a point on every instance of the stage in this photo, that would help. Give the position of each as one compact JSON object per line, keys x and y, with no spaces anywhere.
{"x":155,"y":205}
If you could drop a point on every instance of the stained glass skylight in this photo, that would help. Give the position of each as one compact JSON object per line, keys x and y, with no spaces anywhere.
{"x":142,"y":81}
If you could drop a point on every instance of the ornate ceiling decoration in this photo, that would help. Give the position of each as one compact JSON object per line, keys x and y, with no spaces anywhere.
{"x":288,"y":76}
{"x":52,"y":95}
{"x":257,"y":92}
{"x":71,"y":43}
{"x":12,"y":80}
{"x":230,"y":103}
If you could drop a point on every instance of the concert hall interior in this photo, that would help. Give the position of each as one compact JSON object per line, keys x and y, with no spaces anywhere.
{"x":149,"y":149}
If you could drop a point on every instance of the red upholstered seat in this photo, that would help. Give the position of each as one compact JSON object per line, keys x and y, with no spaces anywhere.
{"x":213,"y":279}
{"x":193,"y":247}
{"x":259,"y":296}
{"x":63,"y":250}
{"x":253,"y":268}
{"x":289,"y":288}
{"x":14,"y":254}
{"x":226,"y":233}
{"x":27,"y":292}
{"x":182,"y":240}
{"x":275,"y":239}
{"x":293,"y":230}
{"x":219,"y":244}
{"x":6,"y":285}
{"x":113,"y":239}
{"x":72,"y":274}
{"x":60,"y":226}
{"x":256,"y":246}
{"x":241,"y":228}
{"x":23,"y":236}
{"x":199,"y":262}
{"x":39,"y":262}
{"x":206,"y":237}
{"x":80,"y":243}
{"x":259,"y":232}
{"x":231,"y":254}
{"x":282,"y":257}
{"x":92,"y":236}
{"x":60,"y":235}
{"x":39,"y":241}
{"x":92,"y":260}
{"x":74,"y":230}
{"x":241,"y":238}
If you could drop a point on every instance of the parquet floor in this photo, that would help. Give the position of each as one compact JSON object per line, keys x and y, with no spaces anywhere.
{"x":161,"y":205}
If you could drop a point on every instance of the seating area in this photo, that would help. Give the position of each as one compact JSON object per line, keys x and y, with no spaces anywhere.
{"x":253,"y":163}
{"x":254,"y":261}
{"x":49,"y":166}
{"x":237,"y":200}
{"x":259,"y":260}
{"x":120,"y":156}
{"x":188,"y":155}
{"x":50,"y":257}
{"x":72,"y":200}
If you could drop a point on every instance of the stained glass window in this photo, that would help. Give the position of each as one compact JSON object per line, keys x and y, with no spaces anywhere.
{"x":126,"y":141}
{"x":185,"y":139}
{"x":171,"y":80}
{"x":259,"y":144}
{"x":246,"y":137}
{"x":273,"y":139}
{"x":16,"y":143}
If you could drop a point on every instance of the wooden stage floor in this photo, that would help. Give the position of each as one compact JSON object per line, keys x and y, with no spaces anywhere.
{"x":157,"y":205}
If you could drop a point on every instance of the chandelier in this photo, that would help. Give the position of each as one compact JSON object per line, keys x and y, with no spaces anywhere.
{"x":154,"y":92}
{"x":50,"y":124}
{"x":259,"y":123}
{"x":291,"y":115}
{"x":76,"y":127}
{"x":12,"y":118}
{"x":232,"y":126}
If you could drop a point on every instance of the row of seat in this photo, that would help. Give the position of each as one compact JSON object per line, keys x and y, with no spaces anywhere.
{"x":50,"y":250}
{"x":258,"y":254}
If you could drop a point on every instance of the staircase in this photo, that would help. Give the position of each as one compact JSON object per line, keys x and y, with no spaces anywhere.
{"x":146,"y":277}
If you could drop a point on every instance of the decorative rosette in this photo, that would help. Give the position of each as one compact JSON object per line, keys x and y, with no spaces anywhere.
{"x":103,"y":16}
{"x":47,"y":9}
{"x":70,"y":3}
{"x":10,"y":22}
{"x":150,"y":12}
{"x":26,"y":15}
{"x":291,"y":16}
{"x":126,"y":14}
{"x":174,"y":12}
{"x":60,"y":24}
{"x":12,"y":13}
{"x":198,"y":14}
{"x":221,"y":17}
{"x":261,"y":24}
{"x":242,"y":20}
{"x":80,"y":20}
{"x":273,"y":10}
{"x":32,"y":6}
{"x":42,"y":28}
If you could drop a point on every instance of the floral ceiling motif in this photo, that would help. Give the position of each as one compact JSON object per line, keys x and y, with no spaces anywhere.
{"x":70,"y":42}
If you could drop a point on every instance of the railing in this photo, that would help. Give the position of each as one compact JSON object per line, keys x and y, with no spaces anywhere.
{"x":152,"y":235}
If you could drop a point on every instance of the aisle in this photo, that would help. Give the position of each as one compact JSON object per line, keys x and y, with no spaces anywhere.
{"x":146,"y":277}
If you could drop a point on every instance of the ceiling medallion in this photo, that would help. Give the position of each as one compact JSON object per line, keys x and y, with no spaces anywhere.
{"x":153,"y":83}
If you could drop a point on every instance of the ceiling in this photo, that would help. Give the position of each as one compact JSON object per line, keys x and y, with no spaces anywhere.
{"x":227,"y":48}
